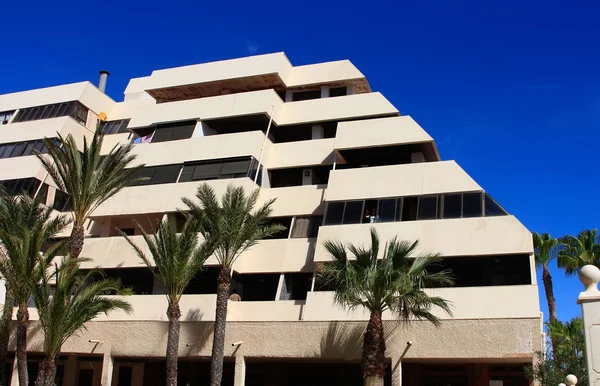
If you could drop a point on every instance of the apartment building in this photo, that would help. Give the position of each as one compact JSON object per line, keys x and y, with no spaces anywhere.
{"x":339,"y":159}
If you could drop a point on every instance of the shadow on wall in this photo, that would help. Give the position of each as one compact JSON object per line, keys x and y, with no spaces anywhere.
{"x":197,"y":336}
{"x":343,"y":340}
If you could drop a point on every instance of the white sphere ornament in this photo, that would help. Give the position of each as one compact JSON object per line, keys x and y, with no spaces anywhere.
{"x":589,"y":275}
{"x":571,"y":380}
{"x":561,"y":384}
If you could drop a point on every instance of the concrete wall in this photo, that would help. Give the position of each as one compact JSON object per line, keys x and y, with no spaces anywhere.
{"x":455,"y":237}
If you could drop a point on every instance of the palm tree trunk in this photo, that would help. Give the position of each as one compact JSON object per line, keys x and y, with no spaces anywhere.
{"x":7,"y":313}
{"x":547,"y":279}
{"x":173,"y":313}
{"x":47,"y":372}
{"x":548,"y":288}
{"x":76,"y":241}
{"x":216,"y":364}
{"x":373,"y":354}
{"x":22,"y":323}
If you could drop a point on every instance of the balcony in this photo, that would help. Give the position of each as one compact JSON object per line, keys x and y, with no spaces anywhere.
{"x":327,"y":109}
{"x":161,"y":198}
{"x":21,"y":167}
{"x":452,"y":237}
{"x":301,"y":153}
{"x":467,"y":303}
{"x":296,"y":200}
{"x":250,"y":103}
{"x":398,"y":180}
{"x":200,"y":148}
{"x":276,"y":256}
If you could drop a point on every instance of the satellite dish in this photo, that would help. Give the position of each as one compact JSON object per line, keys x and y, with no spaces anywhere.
{"x":102,"y":117}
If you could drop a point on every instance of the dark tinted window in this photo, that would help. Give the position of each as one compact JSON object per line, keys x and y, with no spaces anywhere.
{"x":335,"y":211}
{"x":338,"y":91}
{"x":472,"y":205}
{"x":174,"y":131}
{"x":74,"y":109}
{"x":156,"y":175}
{"x":114,"y":127}
{"x":353,"y":212}
{"x":428,"y":208}
{"x":125,"y":375}
{"x":295,"y":286}
{"x":492,"y":208}
{"x":305,"y":227}
{"x":215,"y":169}
{"x":452,"y":205}
{"x":305,"y":95}
{"x":387,"y":210}
{"x":409,"y":209}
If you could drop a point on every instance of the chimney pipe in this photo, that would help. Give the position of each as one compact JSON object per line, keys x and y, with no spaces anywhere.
{"x":102,"y":82}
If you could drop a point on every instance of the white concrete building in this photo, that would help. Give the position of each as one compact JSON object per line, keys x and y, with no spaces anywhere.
{"x":335,"y":150}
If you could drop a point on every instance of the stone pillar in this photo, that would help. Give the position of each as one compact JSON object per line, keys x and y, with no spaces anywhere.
{"x":70,"y":371}
{"x":396,"y":371}
{"x":240,"y":371}
{"x":107,"y":369}
{"x":14,"y":379}
{"x":590,"y":307}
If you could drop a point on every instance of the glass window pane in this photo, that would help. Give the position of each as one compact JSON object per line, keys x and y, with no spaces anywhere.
{"x":123,"y":127}
{"x":452,"y":205}
{"x":63,"y":109}
{"x":28,"y":149}
{"x":335,"y":211}
{"x":18,"y":150}
{"x":399,"y":209}
{"x":409,"y":208}
{"x":166,"y":174}
{"x":238,"y":167}
{"x":36,"y":113}
{"x":38,"y":145}
{"x":338,"y":91}
{"x":472,"y":205}
{"x":183,"y":131}
{"x":492,"y":208}
{"x":162,"y":135}
{"x":353,"y":212}
{"x":427,"y":208}
{"x":142,"y":177}
{"x":9,"y":149}
{"x":387,"y":210}
{"x":206,"y":172}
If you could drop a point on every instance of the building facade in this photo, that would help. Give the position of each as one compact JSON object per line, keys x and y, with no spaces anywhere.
{"x":339,"y":159}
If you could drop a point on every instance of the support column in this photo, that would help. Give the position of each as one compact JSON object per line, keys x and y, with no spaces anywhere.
{"x":240,"y":371}
{"x":590,"y":307}
{"x":396,"y":371}
{"x":14,"y":379}
{"x":107,"y":369}
{"x":70,"y":371}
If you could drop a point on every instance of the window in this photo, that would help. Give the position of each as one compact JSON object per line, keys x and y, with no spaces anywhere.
{"x":472,"y":205}
{"x":335,"y":212}
{"x":306,"y":227}
{"x":125,"y":375}
{"x":409,"y":210}
{"x":285,"y":222}
{"x":452,"y":205}
{"x":114,"y":127}
{"x":73,"y":109}
{"x":338,"y":91}
{"x":353,"y":212}
{"x":165,"y":174}
{"x":492,"y":208}
{"x":62,"y":202}
{"x":295,"y":286}
{"x":215,"y":169}
{"x":428,"y":208}
{"x":173,"y":131}
{"x":5,"y":116}
{"x":306,"y":95}
{"x":256,"y":287}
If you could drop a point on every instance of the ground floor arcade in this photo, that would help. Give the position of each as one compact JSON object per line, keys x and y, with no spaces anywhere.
{"x":95,"y":371}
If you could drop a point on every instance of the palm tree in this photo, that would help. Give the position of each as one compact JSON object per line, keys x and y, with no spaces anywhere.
{"x":579,"y":251}
{"x":395,"y":283}
{"x":545,"y":250}
{"x":5,"y":324}
{"x":65,"y":308}
{"x":25,"y":227}
{"x":88,"y":178}
{"x":177,"y":259}
{"x":234,"y":226}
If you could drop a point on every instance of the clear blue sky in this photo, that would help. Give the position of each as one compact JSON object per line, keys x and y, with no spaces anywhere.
{"x":511,"y":91}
